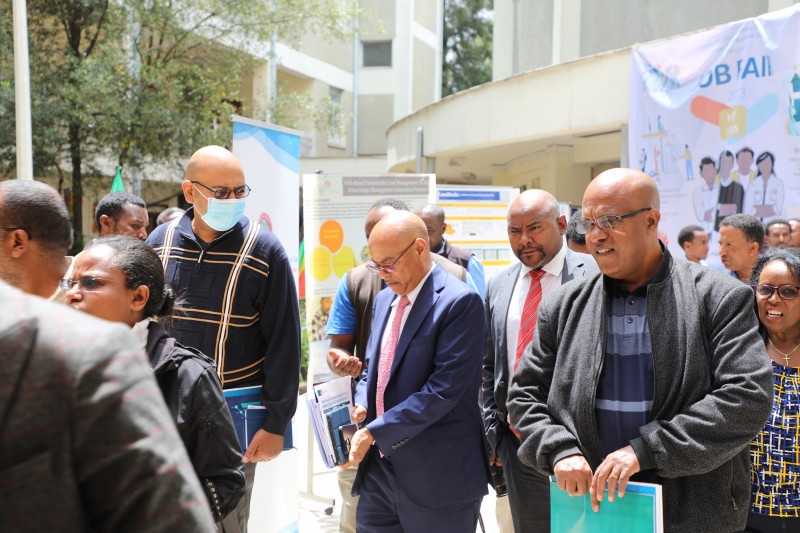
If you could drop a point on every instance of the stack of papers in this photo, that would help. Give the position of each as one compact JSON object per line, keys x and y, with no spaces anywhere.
{"x":329,"y":406}
{"x":639,"y":511}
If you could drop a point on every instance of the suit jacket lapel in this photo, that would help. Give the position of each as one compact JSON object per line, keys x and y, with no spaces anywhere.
{"x":504,"y":292}
{"x":18,"y":339}
{"x":573,"y":266}
{"x":378,"y":325}
{"x":422,"y":305}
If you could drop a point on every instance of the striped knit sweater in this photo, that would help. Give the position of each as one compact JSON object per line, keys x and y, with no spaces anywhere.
{"x":239,"y":307}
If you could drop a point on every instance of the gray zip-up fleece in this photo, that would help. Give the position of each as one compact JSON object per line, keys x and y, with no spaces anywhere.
{"x":713,"y":390}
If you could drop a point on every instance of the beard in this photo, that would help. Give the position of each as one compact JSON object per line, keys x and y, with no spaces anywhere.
{"x":532,"y":256}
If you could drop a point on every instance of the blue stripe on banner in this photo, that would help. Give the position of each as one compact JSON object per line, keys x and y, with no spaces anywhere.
{"x":283,"y":147}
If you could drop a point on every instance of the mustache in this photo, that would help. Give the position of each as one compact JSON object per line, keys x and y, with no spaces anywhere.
{"x":530,"y":247}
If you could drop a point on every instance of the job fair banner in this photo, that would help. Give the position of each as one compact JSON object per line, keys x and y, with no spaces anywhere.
{"x":715,"y":120}
{"x":335,"y":208}
{"x":270,"y":156}
{"x":476,"y":221}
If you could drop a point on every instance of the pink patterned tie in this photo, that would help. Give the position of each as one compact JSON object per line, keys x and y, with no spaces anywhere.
{"x":387,"y":353}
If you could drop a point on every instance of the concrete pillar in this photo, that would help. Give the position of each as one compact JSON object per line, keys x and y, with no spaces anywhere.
{"x":503,"y":44}
{"x":566,"y":30}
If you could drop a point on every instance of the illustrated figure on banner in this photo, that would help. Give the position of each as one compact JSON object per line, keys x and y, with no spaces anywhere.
{"x":744,"y":162}
{"x":705,"y":197}
{"x":764,"y":198}
{"x":731,"y":194}
{"x":687,"y":156}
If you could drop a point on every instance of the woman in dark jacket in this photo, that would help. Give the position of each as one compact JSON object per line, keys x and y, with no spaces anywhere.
{"x":121,"y":279}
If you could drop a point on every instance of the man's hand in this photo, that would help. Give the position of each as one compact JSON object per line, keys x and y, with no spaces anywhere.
{"x":359,"y":446}
{"x":358,"y":413}
{"x":573,"y":475}
{"x":344,"y":364}
{"x":617,"y":469}
{"x":264,"y":447}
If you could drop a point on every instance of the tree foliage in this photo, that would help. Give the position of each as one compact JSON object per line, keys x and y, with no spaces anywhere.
{"x":141,"y":80}
{"x":467,"y":58}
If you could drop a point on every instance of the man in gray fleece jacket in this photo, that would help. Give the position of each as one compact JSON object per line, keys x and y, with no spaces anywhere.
{"x":652,"y":370}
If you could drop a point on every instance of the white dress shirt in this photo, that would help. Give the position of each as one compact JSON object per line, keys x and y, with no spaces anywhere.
{"x":412,"y":296}
{"x":550,"y":281}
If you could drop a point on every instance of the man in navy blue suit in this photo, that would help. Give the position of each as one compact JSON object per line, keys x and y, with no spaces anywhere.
{"x":422,"y":451}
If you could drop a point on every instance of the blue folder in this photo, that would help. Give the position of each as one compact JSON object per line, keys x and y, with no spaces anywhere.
{"x":249,"y":415}
{"x":639,"y":511}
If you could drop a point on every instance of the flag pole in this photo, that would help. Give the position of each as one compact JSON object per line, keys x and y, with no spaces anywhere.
{"x":22,"y":92}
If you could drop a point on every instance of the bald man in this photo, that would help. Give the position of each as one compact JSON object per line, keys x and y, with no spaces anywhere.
{"x":241,"y":304}
{"x":421,"y":448}
{"x":349,"y":326}
{"x":652,"y":370}
{"x":536,"y":234}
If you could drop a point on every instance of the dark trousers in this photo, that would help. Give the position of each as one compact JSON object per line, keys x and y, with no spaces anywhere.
{"x":757,"y":523}
{"x":236,"y":521}
{"x":528,"y":490}
{"x":384,"y":507}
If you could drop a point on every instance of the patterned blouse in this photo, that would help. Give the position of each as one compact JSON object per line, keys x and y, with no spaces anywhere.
{"x":775,"y":452}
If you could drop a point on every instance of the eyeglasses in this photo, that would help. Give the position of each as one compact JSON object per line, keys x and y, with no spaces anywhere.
{"x":85,"y":283}
{"x":605,"y":222}
{"x":786,"y":292}
{"x":224,"y":194}
{"x":377,"y":268}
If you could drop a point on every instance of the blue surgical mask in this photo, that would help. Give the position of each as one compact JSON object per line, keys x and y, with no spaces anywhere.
{"x":222,"y":215}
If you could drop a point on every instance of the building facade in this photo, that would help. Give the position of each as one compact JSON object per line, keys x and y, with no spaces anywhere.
{"x":555,"y":114}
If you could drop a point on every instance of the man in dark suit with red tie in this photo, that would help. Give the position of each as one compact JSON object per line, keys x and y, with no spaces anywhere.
{"x":422,"y":453}
{"x":536,"y":234}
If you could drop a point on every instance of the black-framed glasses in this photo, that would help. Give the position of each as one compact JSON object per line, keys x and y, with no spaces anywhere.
{"x":377,"y":268}
{"x":85,"y":283}
{"x":9,"y":229}
{"x":786,"y":292}
{"x":224,"y":194}
{"x":606,"y":222}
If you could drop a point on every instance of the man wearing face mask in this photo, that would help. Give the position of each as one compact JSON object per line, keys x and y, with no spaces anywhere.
{"x":240,"y":299}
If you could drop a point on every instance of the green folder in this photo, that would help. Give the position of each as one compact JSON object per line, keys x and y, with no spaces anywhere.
{"x":640,"y":511}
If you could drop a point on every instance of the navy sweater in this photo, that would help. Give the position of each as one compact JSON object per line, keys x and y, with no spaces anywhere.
{"x":244,"y":314}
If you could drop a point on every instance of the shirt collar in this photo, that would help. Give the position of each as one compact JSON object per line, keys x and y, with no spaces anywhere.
{"x":554,"y":267}
{"x":415,"y":292}
{"x":616,"y":286}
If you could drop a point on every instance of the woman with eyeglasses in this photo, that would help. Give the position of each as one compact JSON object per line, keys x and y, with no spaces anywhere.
{"x":121,"y":279}
{"x":775,"y":475}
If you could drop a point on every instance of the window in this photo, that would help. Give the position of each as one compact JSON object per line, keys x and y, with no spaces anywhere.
{"x":378,"y":54}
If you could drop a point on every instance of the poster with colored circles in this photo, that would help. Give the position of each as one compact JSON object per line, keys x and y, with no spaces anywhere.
{"x":714,"y":119}
{"x":335,"y":209}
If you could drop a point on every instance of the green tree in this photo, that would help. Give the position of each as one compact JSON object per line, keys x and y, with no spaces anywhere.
{"x":141,"y":80}
{"x":467,"y":58}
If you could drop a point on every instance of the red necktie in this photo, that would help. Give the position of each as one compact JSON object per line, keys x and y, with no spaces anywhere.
{"x":387,"y":353}
{"x":527,"y":322}
{"x":530,"y":311}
